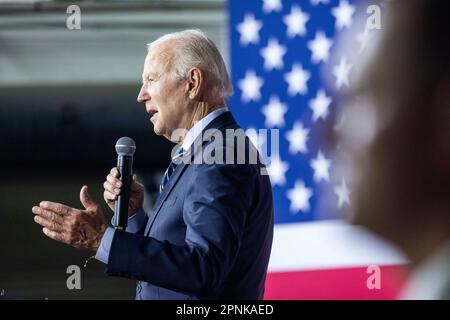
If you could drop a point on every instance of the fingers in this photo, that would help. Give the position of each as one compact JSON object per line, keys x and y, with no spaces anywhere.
{"x":113,"y":185}
{"x":46,"y":214}
{"x":86,"y":200}
{"x":110,"y":188}
{"x":114,"y":181}
{"x":54,"y":235}
{"x":48,"y":219}
{"x":56,"y":207}
{"x":79,"y":228}
{"x":115,"y":172}
{"x":49,"y":224}
{"x":109,"y":196}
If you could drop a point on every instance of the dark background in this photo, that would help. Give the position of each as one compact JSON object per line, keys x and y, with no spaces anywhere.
{"x":48,"y":154}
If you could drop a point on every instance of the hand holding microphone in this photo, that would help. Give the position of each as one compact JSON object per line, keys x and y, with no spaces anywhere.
{"x":113,"y":188}
{"x":123,"y":193}
{"x":85,"y":228}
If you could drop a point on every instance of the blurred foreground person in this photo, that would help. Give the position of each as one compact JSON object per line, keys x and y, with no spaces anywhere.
{"x":402,"y":186}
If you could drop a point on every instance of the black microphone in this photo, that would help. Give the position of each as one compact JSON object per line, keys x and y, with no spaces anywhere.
{"x":125,"y":148}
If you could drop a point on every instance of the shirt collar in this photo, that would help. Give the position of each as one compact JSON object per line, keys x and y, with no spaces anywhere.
{"x":197,"y":129}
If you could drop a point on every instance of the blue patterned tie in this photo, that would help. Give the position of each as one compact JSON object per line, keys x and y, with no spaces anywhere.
{"x":171,"y":168}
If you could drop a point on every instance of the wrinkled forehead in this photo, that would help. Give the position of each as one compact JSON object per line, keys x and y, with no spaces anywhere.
{"x":158,"y":59}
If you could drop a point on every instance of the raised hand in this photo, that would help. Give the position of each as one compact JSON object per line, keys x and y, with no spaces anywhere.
{"x":79,"y":228}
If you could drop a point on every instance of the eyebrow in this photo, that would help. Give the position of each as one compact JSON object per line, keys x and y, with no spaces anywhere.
{"x":152,"y":75}
{"x":148,"y":75}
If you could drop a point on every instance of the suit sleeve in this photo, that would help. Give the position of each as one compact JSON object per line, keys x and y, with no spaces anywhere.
{"x":135,"y":225}
{"x":215,"y":209}
{"x":137,"y":221}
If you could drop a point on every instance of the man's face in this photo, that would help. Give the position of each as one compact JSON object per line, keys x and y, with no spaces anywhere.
{"x":165,"y":96}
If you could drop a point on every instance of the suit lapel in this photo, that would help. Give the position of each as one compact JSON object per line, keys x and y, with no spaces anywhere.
{"x":221,"y":121}
{"x":166,"y":191}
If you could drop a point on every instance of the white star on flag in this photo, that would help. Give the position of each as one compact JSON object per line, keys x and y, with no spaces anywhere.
{"x":273,"y":55}
{"x":274,"y":112}
{"x":297,"y":79}
{"x":272,"y":5}
{"x":319,"y":105}
{"x":296,"y":22}
{"x":277,"y":170}
{"x":363,"y":39}
{"x":320,"y":47}
{"x":321,"y":167}
{"x":316,"y":2}
{"x":343,"y":194}
{"x":249,"y":29}
{"x":297,"y":138}
{"x":341,"y":72}
{"x":343,"y":14}
{"x":250,"y":86}
{"x":299,"y":197}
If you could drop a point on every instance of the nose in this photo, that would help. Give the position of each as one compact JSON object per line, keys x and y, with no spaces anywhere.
{"x":143,"y":95}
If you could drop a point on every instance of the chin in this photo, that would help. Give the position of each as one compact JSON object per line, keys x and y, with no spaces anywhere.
{"x":157,"y":128}
{"x":157,"y":132}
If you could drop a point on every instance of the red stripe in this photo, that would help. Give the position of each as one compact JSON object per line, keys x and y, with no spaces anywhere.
{"x":341,"y":284}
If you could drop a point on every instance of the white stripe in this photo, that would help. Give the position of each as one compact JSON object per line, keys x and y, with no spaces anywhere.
{"x":328,"y":245}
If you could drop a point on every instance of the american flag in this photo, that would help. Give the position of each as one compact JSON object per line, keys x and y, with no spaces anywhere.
{"x":287,"y":74}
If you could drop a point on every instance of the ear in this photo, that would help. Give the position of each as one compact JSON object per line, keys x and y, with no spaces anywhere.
{"x":195,"y":84}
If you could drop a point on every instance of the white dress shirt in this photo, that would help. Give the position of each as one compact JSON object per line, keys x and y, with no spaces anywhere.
{"x":197,"y":129}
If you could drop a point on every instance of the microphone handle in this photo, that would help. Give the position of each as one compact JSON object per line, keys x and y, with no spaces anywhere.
{"x":125,"y":166}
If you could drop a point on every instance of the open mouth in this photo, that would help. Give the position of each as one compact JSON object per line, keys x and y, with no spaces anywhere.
{"x":153,"y":115}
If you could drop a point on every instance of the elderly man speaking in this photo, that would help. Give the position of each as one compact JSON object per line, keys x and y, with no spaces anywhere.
{"x":210,"y":232}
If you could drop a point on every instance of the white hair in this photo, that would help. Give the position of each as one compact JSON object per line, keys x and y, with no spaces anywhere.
{"x":192,"y":48}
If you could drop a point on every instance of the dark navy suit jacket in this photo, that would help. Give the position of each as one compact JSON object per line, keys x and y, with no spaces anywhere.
{"x":210,"y":232}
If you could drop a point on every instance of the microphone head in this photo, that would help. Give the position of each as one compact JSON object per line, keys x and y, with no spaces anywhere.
{"x":125,"y":146}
